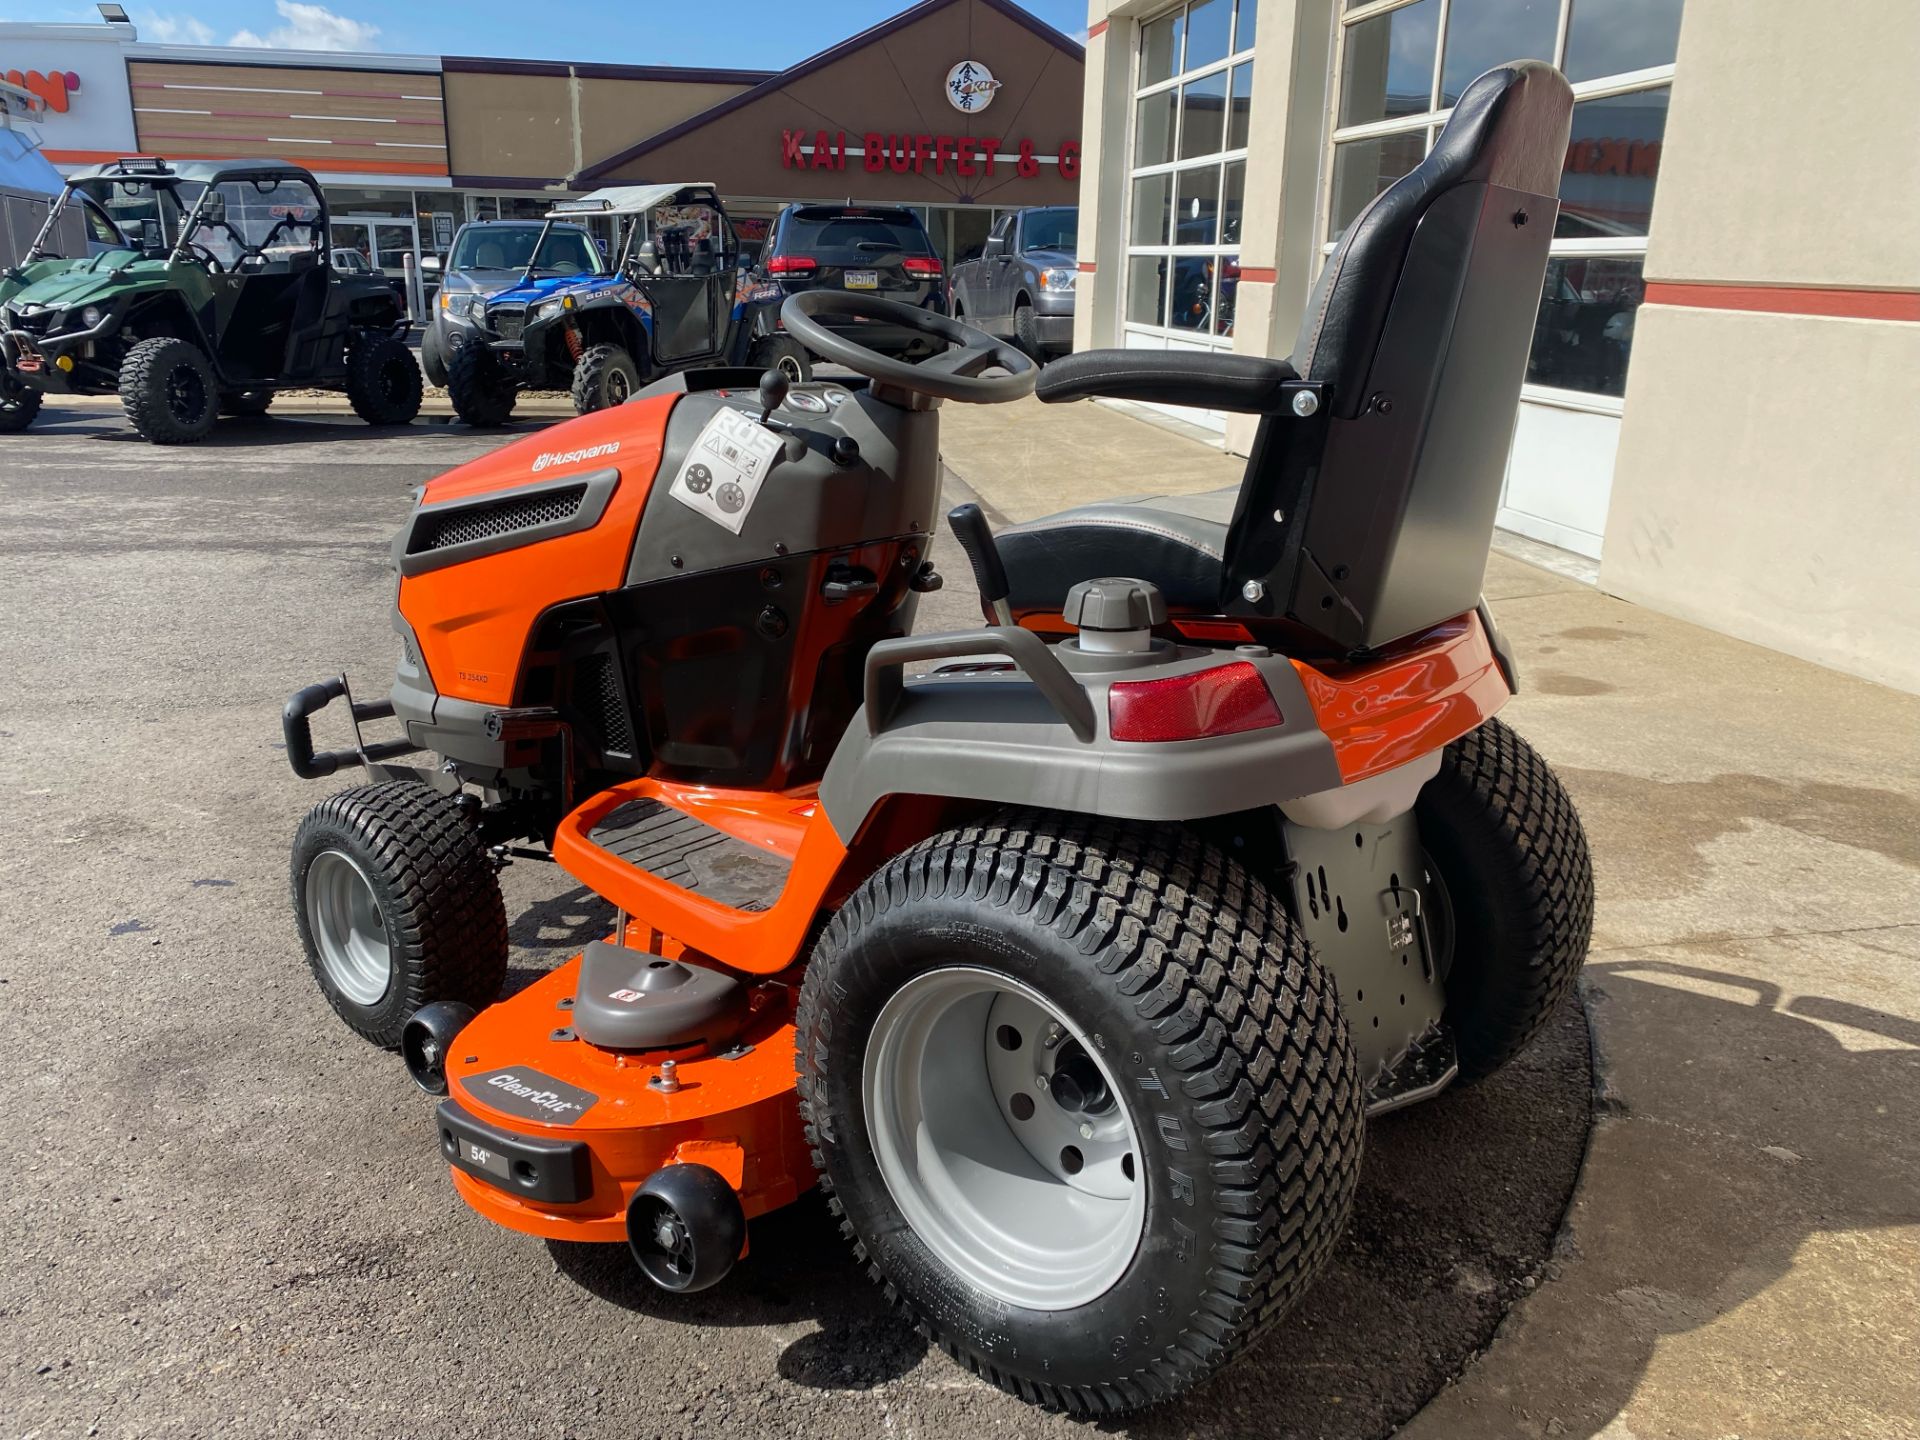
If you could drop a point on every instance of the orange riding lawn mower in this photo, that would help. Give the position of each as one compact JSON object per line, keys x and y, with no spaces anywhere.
{"x":1071,"y":964}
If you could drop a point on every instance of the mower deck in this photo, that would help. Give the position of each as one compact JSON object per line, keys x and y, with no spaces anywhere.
{"x":520,"y":1071}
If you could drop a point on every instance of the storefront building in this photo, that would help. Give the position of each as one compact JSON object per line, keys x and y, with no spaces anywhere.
{"x":1723,"y":241}
{"x":409,"y":147}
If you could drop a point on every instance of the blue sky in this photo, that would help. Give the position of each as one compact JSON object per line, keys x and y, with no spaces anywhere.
{"x":749,"y":34}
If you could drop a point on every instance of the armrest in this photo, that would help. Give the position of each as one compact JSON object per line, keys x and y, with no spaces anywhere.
{"x":1250,"y":384}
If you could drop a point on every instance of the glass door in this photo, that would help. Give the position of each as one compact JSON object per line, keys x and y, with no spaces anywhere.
{"x":380,"y":246}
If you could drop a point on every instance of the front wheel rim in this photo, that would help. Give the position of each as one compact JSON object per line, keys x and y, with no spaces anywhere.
{"x":789,"y":367}
{"x":1003,"y":1139}
{"x":349,"y":932}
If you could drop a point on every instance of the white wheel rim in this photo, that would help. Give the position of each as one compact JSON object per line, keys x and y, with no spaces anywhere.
{"x":349,"y":931}
{"x":1035,"y":1201}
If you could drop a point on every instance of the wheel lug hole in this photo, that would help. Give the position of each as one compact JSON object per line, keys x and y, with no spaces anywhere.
{"x":1022,"y":1106}
{"x":1007,"y":1037}
{"x":1126,"y":1165}
{"x":1071,"y":1160}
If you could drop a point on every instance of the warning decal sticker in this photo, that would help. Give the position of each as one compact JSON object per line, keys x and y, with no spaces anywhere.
{"x":724,"y":467}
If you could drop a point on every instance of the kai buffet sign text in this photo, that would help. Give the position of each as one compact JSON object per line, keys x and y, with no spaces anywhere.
{"x":922,"y":154}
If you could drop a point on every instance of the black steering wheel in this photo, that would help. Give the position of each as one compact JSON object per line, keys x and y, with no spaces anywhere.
{"x":953,"y":374}
{"x":206,"y":257}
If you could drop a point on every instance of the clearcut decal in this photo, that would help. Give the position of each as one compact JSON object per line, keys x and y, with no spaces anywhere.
{"x":530,"y":1095}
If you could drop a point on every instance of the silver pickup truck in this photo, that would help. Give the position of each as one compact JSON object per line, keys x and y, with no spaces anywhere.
{"x":1021,"y":284}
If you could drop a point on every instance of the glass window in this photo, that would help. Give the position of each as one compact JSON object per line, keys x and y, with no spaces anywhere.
{"x":1240,"y":107}
{"x":1181,"y":223}
{"x":1152,"y":209}
{"x":1160,"y":48}
{"x":1146,"y":289}
{"x":1387,"y":69}
{"x":1363,"y":168}
{"x":1208,"y":22}
{"x":1153,"y":129}
{"x":1051,"y":230}
{"x":1243,"y":23}
{"x":1203,"y":112}
{"x":1612,"y":162}
{"x":1484,"y":33}
{"x":1232,"y":194}
{"x":1197,"y":207}
{"x":1585,"y":326}
{"x":1612,"y":37}
{"x":1395,"y":67}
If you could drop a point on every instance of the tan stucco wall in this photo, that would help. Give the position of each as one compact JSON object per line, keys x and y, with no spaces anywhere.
{"x":1792,"y":153}
{"x":1768,"y":476}
{"x":1768,"y":484}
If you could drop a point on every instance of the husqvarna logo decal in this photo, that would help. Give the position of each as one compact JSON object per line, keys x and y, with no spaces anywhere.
{"x":549,"y":458}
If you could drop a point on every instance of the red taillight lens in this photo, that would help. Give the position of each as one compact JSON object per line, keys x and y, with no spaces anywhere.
{"x":1223,"y":701}
{"x":921,"y":265}
{"x":792,"y":265}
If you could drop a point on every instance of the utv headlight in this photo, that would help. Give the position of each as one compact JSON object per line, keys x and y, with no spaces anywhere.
{"x":92,"y":316}
{"x":477,"y":309}
{"x":1057,"y":279}
{"x":547,"y":309}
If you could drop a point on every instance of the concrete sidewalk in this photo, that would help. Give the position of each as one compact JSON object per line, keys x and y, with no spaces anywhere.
{"x":1742,"y":1257}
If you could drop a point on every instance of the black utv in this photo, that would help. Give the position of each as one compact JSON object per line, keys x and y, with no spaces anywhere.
{"x":204,"y":288}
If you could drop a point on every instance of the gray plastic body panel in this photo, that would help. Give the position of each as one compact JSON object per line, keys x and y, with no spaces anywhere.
{"x":631,"y":1000}
{"x":995,"y":738}
{"x":807,"y":502}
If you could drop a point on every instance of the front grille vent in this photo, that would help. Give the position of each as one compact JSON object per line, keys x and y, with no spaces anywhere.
{"x":507,"y":321}
{"x":444,"y":528}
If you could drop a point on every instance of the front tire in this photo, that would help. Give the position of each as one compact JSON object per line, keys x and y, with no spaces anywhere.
{"x":432,"y":359}
{"x":1512,"y":853}
{"x":19,"y":405}
{"x":168,"y":390}
{"x":782,"y":353}
{"x":397,"y":905}
{"x":482,"y":392}
{"x":383,"y":380}
{"x":1026,"y":329}
{"x":1185,"y":1000}
{"x":604,"y":377}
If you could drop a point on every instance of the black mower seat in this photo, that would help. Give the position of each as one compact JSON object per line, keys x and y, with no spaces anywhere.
{"x":1176,"y":541}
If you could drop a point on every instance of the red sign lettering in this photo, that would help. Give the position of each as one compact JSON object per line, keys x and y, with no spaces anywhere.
{"x":965,"y":155}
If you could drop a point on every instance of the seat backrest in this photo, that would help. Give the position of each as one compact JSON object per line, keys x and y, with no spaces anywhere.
{"x":1371,"y":519}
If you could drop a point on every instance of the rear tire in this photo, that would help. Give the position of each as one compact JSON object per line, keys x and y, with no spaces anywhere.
{"x":245,"y":402}
{"x":383,"y":380}
{"x":604,"y":377}
{"x":168,"y":390}
{"x":1201,"y":1014}
{"x":398,"y":905}
{"x":482,"y":392}
{"x":19,"y":404}
{"x":782,"y":353}
{"x":1511,"y":850}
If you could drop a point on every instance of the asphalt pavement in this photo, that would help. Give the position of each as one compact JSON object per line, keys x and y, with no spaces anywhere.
{"x":224,"y":1214}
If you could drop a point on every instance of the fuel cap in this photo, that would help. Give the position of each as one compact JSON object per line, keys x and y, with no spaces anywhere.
{"x":1115,"y":603}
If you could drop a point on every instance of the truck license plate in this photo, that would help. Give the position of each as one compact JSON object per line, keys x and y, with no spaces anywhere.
{"x":863,"y":279}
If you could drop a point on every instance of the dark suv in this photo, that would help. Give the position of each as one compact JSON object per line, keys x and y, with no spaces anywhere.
{"x":867,"y":249}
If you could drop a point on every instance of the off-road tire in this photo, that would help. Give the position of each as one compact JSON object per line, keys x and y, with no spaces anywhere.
{"x":168,"y":390}
{"x":1226,"y":1041}
{"x":438,"y":894}
{"x":19,"y":405}
{"x":1026,"y":330}
{"x":782,"y":353}
{"x":383,"y":380}
{"x":432,"y":360}
{"x":603,"y":377}
{"x":481,"y":391}
{"x":245,"y":402}
{"x":1513,"y":855}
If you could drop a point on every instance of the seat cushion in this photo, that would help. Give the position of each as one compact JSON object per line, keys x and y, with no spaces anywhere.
{"x":1176,"y":541}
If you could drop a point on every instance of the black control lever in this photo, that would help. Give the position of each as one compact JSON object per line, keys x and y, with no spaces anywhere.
{"x":969,"y":524}
{"x":773,"y":392}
